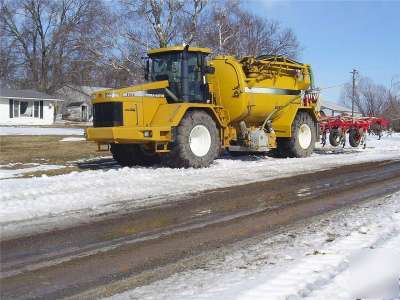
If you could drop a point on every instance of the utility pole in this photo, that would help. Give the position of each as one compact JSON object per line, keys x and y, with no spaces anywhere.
{"x":354,"y":72}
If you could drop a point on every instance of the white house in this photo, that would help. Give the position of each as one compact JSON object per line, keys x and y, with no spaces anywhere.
{"x":77,"y":105}
{"x":26,"y":107}
{"x":333,"y":109}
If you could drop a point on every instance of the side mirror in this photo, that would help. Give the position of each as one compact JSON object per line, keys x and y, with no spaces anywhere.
{"x":209,"y":70}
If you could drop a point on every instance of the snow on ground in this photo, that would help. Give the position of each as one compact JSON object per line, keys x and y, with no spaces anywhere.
{"x":72,"y":139}
{"x":40,"y":131}
{"x":353,"y":253}
{"x":366,"y":264}
{"x":97,"y":191}
{"x":26,"y":168}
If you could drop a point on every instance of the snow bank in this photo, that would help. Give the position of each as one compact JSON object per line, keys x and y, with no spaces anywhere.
{"x":101,"y":191}
{"x":373,"y":274}
{"x":9,"y":173}
{"x":40,"y":131}
{"x":348,"y":269}
{"x":72,"y":139}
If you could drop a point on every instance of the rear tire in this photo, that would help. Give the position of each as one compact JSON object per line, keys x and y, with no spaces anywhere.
{"x":334,"y":137}
{"x":128,"y":155}
{"x":354,"y":138}
{"x":302,"y":142}
{"x":196,"y":142}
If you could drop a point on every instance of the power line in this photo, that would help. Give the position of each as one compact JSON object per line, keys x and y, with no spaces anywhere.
{"x":332,"y":86}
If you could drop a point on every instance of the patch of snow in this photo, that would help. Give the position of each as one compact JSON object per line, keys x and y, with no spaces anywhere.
{"x":363,"y":230}
{"x":40,"y":131}
{"x":9,"y":173}
{"x":373,"y":274}
{"x":97,"y":191}
{"x":354,"y":266}
{"x":315,"y":271}
{"x":72,"y":139}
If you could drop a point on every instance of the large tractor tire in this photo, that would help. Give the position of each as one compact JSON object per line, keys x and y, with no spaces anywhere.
{"x":302,"y":142}
{"x":354,"y":138}
{"x":196,"y":142}
{"x":334,"y":137}
{"x":133,"y":154}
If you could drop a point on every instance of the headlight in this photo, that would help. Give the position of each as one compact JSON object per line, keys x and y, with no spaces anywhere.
{"x":147,"y":133}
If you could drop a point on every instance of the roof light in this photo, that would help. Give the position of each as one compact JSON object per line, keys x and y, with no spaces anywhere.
{"x":112,"y":95}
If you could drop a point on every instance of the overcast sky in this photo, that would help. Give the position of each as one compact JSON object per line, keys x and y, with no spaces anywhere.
{"x":339,"y":35}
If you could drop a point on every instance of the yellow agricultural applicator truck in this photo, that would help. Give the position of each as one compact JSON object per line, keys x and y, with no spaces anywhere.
{"x":191,"y":109}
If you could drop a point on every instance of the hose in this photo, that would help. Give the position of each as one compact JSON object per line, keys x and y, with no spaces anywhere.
{"x":273,"y":112}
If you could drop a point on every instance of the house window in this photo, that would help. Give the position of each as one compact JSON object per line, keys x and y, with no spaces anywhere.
{"x":36,"y":109}
{"x":26,"y":109}
{"x":16,"y":109}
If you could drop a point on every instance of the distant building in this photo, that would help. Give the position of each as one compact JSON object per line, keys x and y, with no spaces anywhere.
{"x":26,"y":107}
{"x":333,"y":109}
{"x":77,"y":105}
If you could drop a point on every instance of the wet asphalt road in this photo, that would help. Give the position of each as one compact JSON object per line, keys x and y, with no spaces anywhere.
{"x":129,"y":250}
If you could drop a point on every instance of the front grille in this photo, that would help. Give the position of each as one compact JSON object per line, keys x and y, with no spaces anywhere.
{"x":107,"y":114}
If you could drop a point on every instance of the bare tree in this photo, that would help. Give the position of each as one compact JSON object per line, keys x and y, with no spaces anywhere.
{"x":394,"y":94}
{"x":229,"y":29}
{"x":163,"y":18}
{"x":260,"y":36}
{"x":48,"y":35}
{"x":220,"y":27}
{"x":159,"y":23}
{"x":140,"y":25}
{"x":392,"y":109}
{"x":116,"y":51}
{"x":47,"y":43}
{"x":371,"y":99}
{"x":190,"y":23}
{"x":8,"y":59}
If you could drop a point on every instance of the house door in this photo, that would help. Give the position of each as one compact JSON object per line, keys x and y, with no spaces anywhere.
{"x":84,"y":116}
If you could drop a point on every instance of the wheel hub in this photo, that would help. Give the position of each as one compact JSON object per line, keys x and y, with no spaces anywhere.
{"x":304,"y":136}
{"x":199,"y":140}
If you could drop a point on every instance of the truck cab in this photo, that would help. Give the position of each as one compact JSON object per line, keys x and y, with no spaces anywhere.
{"x":184,"y":69}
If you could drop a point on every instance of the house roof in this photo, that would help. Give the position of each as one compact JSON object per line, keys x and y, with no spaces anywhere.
{"x":334,"y":106}
{"x":79,"y":103}
{"x":9,"y":93}
{"x":75,"y":93}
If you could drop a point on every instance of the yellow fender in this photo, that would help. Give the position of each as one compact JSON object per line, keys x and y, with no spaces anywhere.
{"x":172,"y":114}
{"x":282,"y":124}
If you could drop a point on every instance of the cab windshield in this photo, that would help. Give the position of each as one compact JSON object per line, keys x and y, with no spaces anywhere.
{"x":168,"y":66}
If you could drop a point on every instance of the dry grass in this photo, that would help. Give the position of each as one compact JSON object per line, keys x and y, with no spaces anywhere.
{"x":22,"y":150}
{"x":54,"y":172}
{"x":43,"y":149}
